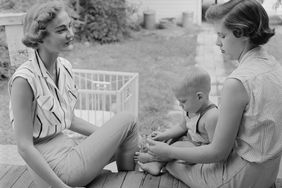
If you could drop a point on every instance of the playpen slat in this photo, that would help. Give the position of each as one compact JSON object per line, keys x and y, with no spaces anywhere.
{"x":97,"y":97}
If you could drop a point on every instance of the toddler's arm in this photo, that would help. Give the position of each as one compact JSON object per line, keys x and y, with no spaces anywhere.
{"x":172,"y":132}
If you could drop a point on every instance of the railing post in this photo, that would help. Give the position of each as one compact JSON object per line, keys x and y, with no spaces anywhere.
{"x":13,"y":23}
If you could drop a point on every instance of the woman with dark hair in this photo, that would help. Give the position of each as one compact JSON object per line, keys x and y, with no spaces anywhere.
{"x":247,"y":144}
{"x":43,"y":95}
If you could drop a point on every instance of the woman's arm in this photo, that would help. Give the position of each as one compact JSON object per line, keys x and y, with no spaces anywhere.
{"x":210,"y":123}
{"x":81,"y":126}
{"x":234,"y":101}
{"x":21,"y":98}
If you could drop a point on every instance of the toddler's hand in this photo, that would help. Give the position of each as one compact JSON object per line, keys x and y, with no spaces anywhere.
{"x":142,"y":143}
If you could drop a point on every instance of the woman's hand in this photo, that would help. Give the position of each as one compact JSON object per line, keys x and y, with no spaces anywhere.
{"x":159,"y":150}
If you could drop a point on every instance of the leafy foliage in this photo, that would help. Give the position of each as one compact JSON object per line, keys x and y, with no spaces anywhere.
{"x":4,"y":57}
{"x":103,"y":20}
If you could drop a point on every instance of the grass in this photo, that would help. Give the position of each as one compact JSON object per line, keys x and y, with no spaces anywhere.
{"x":275,"y":44}
{"x":160,"y":58}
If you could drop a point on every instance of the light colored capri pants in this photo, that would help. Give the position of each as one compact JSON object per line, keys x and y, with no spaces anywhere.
{"x":78,"y":163}
{"x":235,"y":172}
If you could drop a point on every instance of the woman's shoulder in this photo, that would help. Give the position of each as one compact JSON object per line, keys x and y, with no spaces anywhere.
{"x":25,"y":69}
{"x":257,"y":64}
{"x":26,"y":72}
{"x":254,"y":70}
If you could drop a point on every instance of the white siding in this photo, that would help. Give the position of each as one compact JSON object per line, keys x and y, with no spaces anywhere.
{"x":171,"y":8}
{"x":269,"y":7}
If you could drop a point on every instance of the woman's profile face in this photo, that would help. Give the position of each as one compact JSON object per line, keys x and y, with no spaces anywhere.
{"x":60,"y":34}
{"x":230,"y":46}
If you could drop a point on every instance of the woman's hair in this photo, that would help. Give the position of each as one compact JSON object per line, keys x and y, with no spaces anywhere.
{"x":244,"y":18}
{"x":36,"y":21}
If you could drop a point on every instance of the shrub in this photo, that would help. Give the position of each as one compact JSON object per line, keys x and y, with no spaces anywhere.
{"x":104,"y":20}
{"x":4,"y":56}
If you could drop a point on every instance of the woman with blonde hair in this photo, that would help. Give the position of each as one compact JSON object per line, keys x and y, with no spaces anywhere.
{"x":43,"y":95}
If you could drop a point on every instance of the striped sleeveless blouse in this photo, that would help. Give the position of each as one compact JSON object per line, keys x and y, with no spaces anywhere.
{"x":52,"y":106}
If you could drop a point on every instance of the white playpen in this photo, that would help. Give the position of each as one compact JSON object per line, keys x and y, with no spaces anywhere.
{"x":102,"y":94}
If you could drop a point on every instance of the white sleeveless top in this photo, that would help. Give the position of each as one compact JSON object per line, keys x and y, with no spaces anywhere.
{"x":260,"y":133}
{"x":52,"y":106}
{"x":191,"y":124}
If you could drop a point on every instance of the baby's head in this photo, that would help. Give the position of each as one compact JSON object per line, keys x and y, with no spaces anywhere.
{"x":193,"y":90}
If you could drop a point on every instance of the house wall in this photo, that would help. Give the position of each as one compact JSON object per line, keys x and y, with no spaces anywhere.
{"x":170,"y":8}
{"x":269,"y":7}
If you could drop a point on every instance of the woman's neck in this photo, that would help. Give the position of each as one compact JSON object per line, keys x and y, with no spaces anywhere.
{"x":49,"y":60}
{"x":246,"y":50}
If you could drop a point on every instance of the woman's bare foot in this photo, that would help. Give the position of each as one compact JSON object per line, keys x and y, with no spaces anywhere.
{"x":153,"y":168}
{"x":143,"y":157}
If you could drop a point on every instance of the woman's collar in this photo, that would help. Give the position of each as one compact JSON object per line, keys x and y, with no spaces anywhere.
{"x":252,"y":53}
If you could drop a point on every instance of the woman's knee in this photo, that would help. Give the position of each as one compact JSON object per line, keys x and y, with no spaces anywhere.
{"x":173,"y":167}
{"x":169,"y":165}
{"x":126,"y":120}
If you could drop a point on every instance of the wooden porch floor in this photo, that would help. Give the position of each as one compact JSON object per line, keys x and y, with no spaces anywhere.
{"x":15,"y":176}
